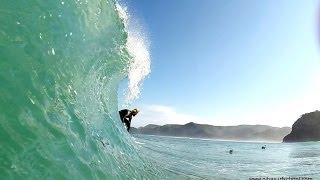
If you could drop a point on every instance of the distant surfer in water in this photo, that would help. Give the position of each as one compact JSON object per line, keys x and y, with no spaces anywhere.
{"x":126,"y":116}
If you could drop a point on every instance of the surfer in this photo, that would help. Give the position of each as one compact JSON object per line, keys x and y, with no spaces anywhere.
{"x":126,"y":116}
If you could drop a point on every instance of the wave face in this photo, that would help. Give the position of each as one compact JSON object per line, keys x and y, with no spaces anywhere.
{"x":61,"y":63}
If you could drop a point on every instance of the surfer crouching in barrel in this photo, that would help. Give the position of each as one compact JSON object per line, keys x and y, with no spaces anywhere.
{"x":126,"y":116}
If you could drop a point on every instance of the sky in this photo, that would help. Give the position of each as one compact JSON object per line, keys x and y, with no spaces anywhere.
{"x":229,"y":62}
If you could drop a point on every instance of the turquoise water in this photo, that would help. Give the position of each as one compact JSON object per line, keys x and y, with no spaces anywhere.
{"x":185,"y":158}
{"x":60,"y":66}
{"x":61,"y":63}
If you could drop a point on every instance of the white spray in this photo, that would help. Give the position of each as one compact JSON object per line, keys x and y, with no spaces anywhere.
{"x":138,"y":48}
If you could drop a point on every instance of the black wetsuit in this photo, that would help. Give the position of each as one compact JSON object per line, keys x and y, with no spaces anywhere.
{"x":126,"y":117}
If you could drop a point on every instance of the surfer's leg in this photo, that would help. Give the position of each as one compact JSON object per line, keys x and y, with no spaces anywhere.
{"x":127,"y":124}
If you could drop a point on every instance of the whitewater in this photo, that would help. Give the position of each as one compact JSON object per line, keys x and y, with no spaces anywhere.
{"x":61,"y":64}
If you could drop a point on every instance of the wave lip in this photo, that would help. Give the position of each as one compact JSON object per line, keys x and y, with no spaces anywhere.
{"x":137,"y":46}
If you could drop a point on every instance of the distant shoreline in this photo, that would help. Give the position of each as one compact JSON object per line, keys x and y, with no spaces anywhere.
{"x":208,"y":139}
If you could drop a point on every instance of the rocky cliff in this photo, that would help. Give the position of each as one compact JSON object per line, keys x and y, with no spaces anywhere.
{"x":306,"y":128}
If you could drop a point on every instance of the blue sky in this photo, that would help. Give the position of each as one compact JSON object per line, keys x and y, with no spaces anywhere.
{"x":229,"y":62}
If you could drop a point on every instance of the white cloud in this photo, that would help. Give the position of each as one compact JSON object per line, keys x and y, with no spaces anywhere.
{"x":160,"y":114}
{"x":284,"y":114}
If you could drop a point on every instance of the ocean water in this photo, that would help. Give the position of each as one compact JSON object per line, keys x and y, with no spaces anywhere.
{"x":187,"y":158}
{"x":61,"y":63}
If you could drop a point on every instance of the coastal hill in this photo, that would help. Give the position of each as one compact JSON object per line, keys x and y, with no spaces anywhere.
{"x":306,"y":128}
{"x":241,"y":132}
